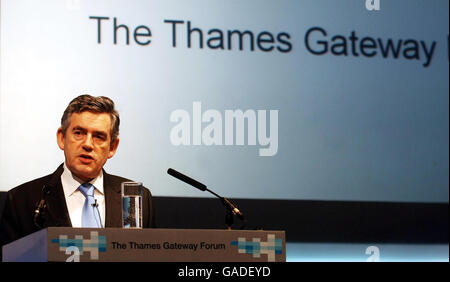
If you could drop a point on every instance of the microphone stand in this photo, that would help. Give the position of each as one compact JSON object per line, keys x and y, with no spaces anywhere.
{"x":40,"y":210}
{"x":231,"y":210}
{"x":229,"y":219}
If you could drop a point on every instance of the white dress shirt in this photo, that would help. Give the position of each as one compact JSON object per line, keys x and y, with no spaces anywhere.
{"x":75,"y":199}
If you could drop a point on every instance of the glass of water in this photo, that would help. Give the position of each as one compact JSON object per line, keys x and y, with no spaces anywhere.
{"x":132,"y":205}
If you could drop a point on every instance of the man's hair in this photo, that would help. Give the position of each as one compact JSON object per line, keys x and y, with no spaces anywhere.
{"x":88,"y":103}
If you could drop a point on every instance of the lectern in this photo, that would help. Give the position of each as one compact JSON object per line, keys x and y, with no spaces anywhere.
{"x":162,"y":245}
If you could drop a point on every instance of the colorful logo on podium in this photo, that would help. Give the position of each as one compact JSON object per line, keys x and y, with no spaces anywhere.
{"x":255,"y":247}
{"x":78,"y":246}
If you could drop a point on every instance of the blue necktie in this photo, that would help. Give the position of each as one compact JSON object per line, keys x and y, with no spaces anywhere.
{"x":91,"y":215}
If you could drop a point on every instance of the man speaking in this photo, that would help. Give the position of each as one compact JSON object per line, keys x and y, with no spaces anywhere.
{"x":79,"y":193}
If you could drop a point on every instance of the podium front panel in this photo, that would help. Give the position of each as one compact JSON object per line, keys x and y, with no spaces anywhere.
{"x":159,"y":245}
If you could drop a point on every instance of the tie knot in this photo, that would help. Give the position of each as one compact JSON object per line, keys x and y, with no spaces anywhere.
{"x":87,"y":189}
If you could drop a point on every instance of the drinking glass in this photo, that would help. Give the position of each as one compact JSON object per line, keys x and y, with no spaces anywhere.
{"x":132,"y":205}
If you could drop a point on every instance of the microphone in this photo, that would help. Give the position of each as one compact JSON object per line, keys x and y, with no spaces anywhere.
{"x":95,"y":206}
{"x":41,"y":208}
{"x":187,"y":179}
{"x":203,"y":187}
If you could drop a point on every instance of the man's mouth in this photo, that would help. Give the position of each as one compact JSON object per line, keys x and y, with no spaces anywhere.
{"x":86,"y":158}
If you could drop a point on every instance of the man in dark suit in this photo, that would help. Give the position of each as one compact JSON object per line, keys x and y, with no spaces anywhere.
{"x":89,"y":137}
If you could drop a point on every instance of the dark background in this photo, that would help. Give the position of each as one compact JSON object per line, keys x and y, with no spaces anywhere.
{"x":312,"y":221}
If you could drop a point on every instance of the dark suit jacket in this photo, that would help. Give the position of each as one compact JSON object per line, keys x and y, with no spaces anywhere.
{"x":18,"y":215}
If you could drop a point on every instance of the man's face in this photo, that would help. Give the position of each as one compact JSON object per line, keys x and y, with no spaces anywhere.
{"x":87,"y":143}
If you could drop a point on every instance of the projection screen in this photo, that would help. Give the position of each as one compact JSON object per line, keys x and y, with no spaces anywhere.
{"x":317,"y":100}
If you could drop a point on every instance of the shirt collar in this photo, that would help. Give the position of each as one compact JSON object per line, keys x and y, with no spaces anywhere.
{"x":71,"y":182}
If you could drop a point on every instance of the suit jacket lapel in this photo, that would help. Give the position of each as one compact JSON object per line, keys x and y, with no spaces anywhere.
{"x":57,"y":211}
{"x":113,"y":200}
{"x":58,"y":214}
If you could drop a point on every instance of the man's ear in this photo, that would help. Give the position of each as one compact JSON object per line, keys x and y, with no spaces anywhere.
{"x":113,"y":148}
{"x":60,"y":138}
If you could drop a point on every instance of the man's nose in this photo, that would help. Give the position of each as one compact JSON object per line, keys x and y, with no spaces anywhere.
{"x":88,"y":143}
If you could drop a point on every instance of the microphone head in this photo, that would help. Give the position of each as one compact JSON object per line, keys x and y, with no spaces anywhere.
{"x":46,"y":190}
{"x":187,"y":179}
